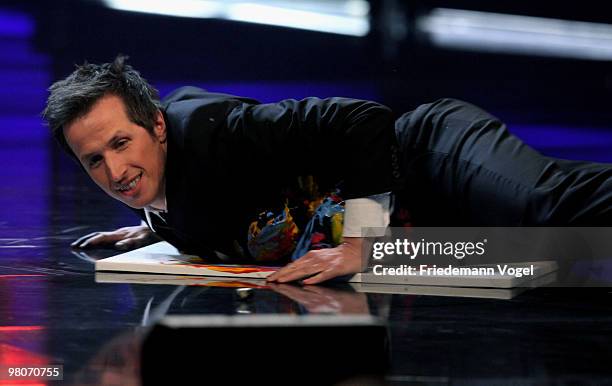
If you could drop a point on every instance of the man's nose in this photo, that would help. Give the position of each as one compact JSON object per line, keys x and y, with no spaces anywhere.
{"x":115,"y":168}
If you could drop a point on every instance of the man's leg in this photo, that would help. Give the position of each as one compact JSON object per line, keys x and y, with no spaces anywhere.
{"x":577,"y":193}
{"x":463,"y":167}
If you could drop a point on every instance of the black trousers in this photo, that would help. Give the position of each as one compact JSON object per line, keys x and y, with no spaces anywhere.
{"x":463,"y":168}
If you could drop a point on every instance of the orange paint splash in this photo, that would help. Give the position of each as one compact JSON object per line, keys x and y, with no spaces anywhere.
{"x":239,"y":270}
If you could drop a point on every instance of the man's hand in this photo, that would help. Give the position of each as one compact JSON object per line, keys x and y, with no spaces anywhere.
{"x":122,"y":238}
{"x":324,"y":264}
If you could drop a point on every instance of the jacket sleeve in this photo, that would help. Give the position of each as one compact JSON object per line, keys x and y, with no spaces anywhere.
{"x":342,"y":140}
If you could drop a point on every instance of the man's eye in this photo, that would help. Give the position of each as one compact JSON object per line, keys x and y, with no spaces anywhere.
{"x":121,"y":144}
{"x":94,"y":161}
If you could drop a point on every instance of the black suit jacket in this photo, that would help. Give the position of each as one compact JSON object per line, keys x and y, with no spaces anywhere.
{"x":229,"y":158}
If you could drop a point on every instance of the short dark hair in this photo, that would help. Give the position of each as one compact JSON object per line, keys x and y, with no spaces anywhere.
{"x":73,"y":97}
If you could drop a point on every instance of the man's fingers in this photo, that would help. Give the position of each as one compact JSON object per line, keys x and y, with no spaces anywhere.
{"x":301,"y":272}
{"x":334,"y":270}
{"x":304,"y":261}
{"x":125,"y":244}
{"x":135,"y":240}
{"x":320,"y":265}
{"x":321,"y":277}
{"x":77,"y":243}
{"x":289,"y":268}
{"x":282,"y":271}
{"x":97,"y":239}
{"x":122,"y":238}
{"x":147,"y":237}
{"x":273,"y":276}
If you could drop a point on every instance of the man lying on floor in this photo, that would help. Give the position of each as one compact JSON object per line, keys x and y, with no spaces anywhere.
{"x":228,"y":177}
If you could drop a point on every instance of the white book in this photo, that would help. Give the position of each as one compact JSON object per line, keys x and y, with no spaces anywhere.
{"x":168,"y":279}
{"x":163,"y":258}
{"x":453,"y":291}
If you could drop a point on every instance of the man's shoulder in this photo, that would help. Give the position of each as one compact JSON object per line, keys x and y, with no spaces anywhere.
{"x":191,"y":94}
{"x":184,"y":93}
{"x":195,"y":110}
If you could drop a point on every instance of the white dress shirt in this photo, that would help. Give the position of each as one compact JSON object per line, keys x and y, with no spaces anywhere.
{"x":367,"y":212}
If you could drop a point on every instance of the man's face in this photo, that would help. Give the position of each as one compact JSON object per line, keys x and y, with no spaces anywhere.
{"x":124,"y":159}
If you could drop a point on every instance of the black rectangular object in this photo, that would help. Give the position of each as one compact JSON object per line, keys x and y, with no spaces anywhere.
{"x":267,"y":349}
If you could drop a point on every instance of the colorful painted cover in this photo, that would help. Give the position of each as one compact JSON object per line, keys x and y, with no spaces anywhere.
{"x":164,"y":258}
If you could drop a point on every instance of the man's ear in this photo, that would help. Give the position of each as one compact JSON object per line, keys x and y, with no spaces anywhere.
{"x":160,"y":127}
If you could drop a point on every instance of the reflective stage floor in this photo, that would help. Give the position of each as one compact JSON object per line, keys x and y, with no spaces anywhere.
{"x":52,"y":310}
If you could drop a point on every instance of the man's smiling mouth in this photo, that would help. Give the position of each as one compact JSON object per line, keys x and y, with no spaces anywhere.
{"x":129,"y":186}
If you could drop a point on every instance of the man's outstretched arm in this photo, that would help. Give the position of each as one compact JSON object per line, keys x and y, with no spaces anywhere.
{"x":122,"y":238}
